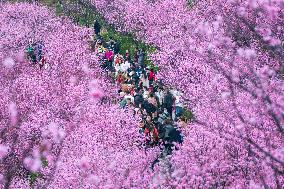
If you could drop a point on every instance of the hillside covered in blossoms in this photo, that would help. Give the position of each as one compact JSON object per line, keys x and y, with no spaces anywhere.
{"x":142,"y":94}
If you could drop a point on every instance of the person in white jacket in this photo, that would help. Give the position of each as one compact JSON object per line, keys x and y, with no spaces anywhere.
{"x":144,"y":80}
{"x":124,"y":66}
{"x":160,"y":95}
{"x":178,"y":103}
{"x":129,"y":96}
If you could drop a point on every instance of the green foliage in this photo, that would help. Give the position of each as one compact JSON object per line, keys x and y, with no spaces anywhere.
{"x":86,"y":16}
{"x":190,"y":3}
{"x":44,"y":162}
{"x":58,"y":8}
{"x":32,"y":177}
{"x":187,"y":114}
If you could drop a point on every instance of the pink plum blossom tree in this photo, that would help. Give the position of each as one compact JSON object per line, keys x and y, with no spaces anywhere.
{"x":227,"y":58}
{"x":55,"y":131}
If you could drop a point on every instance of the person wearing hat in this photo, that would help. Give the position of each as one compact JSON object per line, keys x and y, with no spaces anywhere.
{"x":136,"y":55}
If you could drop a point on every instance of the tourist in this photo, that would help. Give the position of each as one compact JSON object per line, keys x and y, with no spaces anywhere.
{"x":141,"y":58}
{"x":97,"y":27}
{"x":181,"y":122}
{"x":144,"y":80}
{"x":128,"y":96}
{"x":42,"y":62}
{"x":39,"y":50}
{"x":178,"y":105}
{"x":139,"y":89}
{"x":169,"y":102}
{"x":138,"y":98}
{"x":151,"y":77}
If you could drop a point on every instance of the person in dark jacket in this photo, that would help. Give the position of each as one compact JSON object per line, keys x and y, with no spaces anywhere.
{"x":97,"y":27}
{"x":150,"y":108}
{"x":136,"y":55}
{"x":168,"y":102}
{"x":38,"y":50}
{"x":138,"y":99}
{"x":141,"y":58}
{"x":116,"y":48}
{"x":33,"y":55}
{"x":169,"y":134}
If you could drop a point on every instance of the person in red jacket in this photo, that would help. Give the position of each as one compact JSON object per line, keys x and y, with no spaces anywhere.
{"x":120,"y":79}
{"x":151,"y":77}
{"x":155,"y":135}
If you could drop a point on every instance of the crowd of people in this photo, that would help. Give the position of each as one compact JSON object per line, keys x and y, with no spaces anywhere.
{"x":35,"y":54}
{"x":159,"y":107}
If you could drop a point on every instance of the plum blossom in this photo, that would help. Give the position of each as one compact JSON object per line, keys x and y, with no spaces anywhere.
{"x":253,"y":3}
{"x":248,"y":28}
{"x":95,"y":91}
{"x":1,"y":178}
{"x":20,"y":57}
{"x":33,"y":162}
{"x":246,"y":53}
{"x":46,"y":147}
{"x":93,"y":179}
{"x":242,"y":11}
{"x":13,"y":113}
{"x":73,"y":80}
{"x":84,"y":163}
{"x":55,"y":131}
{"x":9,"y":62}
{"x":225,"y":94}
{"x":3,"y":151}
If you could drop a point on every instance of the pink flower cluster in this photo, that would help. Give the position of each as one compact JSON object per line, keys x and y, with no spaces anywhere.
{"x":51,"y":114}
{"x":227,"y":58}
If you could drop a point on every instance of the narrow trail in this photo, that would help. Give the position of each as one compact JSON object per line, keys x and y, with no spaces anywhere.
{"x":158,"y":107}
{"x":139,"y":90}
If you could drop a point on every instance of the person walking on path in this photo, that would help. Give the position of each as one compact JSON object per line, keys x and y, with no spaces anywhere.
{"x":97,"y":27}
{"x":141,"y":58}
{"x":169,"y":102}
{"x":42,"y":62}
{"x":178,"y":104}
{"x":30,"y":51}
{"x":39,"y":47}
{"x":151,"y":77}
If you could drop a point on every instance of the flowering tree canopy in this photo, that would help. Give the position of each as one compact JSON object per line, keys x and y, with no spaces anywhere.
{"x":227,"y":58}
{"x":55,"y":129}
